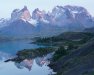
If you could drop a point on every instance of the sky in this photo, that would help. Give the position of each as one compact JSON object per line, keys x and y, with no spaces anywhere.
{"x":7,"y":6}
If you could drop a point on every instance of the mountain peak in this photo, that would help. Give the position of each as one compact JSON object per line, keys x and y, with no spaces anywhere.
{"x":60,"y":19}
{"x":23,"y":14}
{"x":25,"y":8}
{"x":38,"y":14}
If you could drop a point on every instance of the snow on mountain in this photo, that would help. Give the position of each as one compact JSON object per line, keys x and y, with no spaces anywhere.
{"x":64,"y":15}
{"x":60,"y":19}
{"x":70,"y":14}
{"x":33,"y":22}
{"x":18,"y":28}
{"x":4,"y":22}
{"x":23,"y":14}
{"x":39,"y":16}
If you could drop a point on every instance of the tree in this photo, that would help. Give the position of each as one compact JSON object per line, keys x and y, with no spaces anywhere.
{"x":59,"y":53}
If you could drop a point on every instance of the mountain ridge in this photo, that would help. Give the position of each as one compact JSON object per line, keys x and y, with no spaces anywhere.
{"x":60,"y":19}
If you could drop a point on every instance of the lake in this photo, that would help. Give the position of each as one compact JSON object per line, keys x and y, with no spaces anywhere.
{"x":13,"y":46}
{"x":37,"y":66}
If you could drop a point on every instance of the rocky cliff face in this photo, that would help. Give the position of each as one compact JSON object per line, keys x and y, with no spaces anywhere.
{"x":65,"y":15}
{"x":60,"y":19}
{"x":23,"y":14}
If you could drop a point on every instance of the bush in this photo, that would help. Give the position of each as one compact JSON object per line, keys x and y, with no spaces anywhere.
{"x":59,"y":53}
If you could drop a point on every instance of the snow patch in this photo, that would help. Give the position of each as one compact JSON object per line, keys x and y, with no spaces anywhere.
{"x":33,"y":22}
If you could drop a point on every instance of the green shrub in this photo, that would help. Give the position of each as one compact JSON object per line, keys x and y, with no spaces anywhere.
{"x":59,"y":53}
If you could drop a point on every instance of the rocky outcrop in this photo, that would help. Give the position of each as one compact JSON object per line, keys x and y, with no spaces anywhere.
{"x":60,"y":19}
{"x":65,"y":15}
{"x":23,"y":14}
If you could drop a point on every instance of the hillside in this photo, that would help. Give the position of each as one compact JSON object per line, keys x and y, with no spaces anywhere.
{"x":74,"y":55}
{"x":46,"y":24}
{"x":66,"y":38}
{"x":91,"y":30}
{"x":78,"y":62}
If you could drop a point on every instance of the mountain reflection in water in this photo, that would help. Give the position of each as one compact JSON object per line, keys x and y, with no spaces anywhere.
{"x":36,"y":66}
{"x":28,"y":63}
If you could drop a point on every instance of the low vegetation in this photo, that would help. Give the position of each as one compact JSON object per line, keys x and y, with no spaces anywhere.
{"x":69,"y":45}
{"x":31,"y":53}
{"x":59,"y":53}
{"x":73,"y":53}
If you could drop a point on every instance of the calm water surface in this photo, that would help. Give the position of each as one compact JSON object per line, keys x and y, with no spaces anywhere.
{"x":13,"y":46}
{"x":37,"y":66}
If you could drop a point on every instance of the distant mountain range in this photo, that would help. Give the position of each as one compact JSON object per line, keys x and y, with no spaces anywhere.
{"x":41,"y":23}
